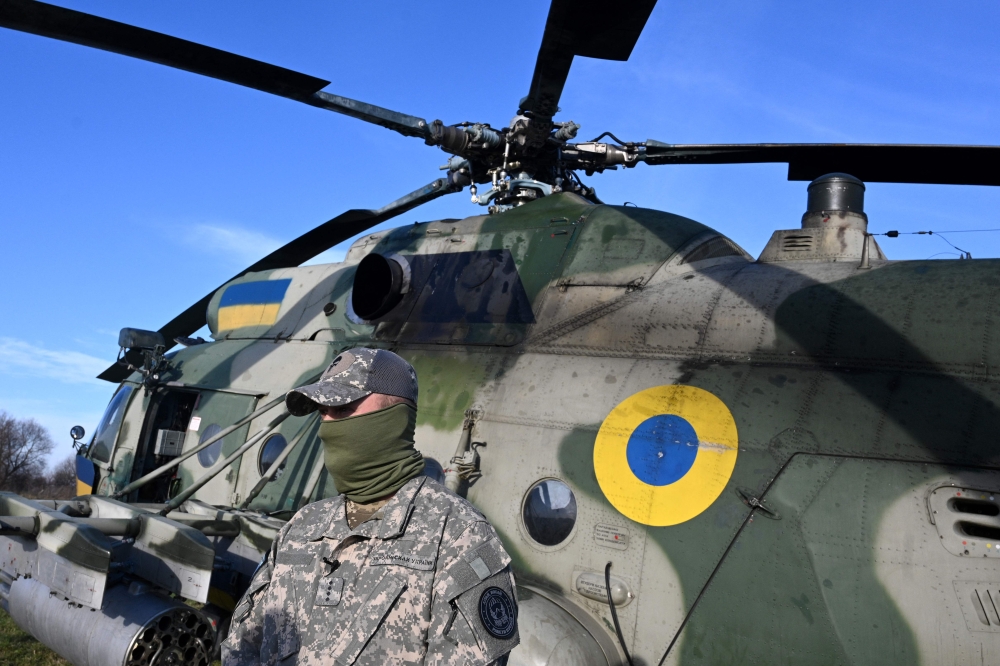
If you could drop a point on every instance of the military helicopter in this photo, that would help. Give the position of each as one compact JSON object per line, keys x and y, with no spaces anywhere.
{"x":693,"y":456}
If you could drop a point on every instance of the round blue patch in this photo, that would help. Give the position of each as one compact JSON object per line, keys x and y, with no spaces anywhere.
{"x":662,"y":449}
{"x":496,"y":611}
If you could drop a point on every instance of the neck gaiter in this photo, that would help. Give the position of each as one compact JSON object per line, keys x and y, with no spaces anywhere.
{"x":372,"y":455}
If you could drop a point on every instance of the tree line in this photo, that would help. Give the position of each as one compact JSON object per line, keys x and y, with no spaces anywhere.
{"x":24,"y":445}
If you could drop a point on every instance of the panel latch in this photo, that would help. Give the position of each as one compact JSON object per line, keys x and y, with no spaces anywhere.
{"x":757,"y":504}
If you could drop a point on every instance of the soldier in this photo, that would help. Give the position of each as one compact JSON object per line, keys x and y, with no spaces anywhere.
{"x":394,"y":570}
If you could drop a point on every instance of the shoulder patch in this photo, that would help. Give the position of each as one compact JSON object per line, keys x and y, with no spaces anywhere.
{"x":496,"y":612}
{"x":490,"y":611}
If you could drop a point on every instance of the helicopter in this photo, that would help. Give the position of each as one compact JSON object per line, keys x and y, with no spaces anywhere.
{"x":693,"y":455}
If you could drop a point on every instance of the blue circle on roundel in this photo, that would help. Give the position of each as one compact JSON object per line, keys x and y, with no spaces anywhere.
{"x":662,"y":449}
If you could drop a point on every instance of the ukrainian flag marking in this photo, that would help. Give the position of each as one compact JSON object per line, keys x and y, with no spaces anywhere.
{"x":85,"y":475}
{"x":665,"y":454}
{"x":251,"y":304}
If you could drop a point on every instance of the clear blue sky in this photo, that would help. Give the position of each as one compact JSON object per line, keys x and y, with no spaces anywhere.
{"x":128,"y":190}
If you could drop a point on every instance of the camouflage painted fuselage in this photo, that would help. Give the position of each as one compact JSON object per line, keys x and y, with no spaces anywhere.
{"x":857,"y":395}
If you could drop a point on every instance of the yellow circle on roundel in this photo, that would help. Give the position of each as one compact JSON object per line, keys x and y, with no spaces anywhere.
{"x":665,"y":454}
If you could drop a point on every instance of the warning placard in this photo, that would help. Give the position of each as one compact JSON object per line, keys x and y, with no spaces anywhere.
{"x":611,"y":536}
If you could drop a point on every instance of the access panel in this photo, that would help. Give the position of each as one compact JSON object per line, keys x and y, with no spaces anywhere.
{"x":849,"y":568}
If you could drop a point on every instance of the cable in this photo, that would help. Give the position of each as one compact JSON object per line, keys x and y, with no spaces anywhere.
{"x":960,"y":231}
{"x":893,"y":234}
{"x":614,"y":612}
{"x":965,"y":254}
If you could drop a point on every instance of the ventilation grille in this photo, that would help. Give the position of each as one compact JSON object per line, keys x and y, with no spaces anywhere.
{"x":985,"y":603}
{"x":977,"y":507}
{"x":967,"y":520}
{"x":797,"y":243}
{"x":980,"y":602}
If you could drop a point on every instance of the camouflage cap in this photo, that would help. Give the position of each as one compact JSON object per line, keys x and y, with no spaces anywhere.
{"x":353,"y":375}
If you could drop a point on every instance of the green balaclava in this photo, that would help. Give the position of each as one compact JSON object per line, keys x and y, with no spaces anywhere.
{"x":372,"y":455}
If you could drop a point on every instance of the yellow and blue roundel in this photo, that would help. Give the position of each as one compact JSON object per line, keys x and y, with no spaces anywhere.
{"x":665,"y":454}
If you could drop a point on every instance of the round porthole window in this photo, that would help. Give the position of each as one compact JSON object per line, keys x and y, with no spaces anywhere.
{"x":272,"y":448}
{"x":208,"y":457}
{"x":433,"y":469}
{"x":549,"y":512}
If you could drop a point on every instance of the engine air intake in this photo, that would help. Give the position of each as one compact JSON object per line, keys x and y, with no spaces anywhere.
{"x":378,"y":286}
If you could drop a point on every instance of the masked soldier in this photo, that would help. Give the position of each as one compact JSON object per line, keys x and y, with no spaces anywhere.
{"x":394,"y":570}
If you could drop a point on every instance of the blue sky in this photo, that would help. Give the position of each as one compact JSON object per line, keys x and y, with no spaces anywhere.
{"x":128,"y":190}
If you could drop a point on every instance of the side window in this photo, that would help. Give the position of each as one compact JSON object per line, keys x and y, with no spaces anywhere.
{"x":208,"y":457}
{"x":272,"y":448}
{"x":549,"y":512}
{"x":107,"y":431}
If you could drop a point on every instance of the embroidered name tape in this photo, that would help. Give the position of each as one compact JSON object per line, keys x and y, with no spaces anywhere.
{"x":403,"y":560}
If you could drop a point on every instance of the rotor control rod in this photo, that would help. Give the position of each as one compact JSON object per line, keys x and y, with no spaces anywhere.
{"x":140,"y":482}
{"x":200,"y":483}
{"x":458,"y":140}
{"x":594,"y":155}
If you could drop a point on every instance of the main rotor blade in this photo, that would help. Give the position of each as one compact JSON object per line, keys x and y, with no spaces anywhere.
{"x":874,"y":162}
{"x":295,"y":253}
{"x":603,"y":29}
{"x":100,"y":33}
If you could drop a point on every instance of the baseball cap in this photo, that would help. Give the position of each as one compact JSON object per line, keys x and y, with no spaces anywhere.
{"x":354,"y":374}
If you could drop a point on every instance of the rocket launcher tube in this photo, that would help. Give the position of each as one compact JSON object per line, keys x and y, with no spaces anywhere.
{"x":140,"y":482}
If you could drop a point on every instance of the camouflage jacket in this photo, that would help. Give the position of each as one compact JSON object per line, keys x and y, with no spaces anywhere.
{"x":424,"y":581}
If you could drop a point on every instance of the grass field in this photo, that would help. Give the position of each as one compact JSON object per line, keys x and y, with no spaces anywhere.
{"x":19,"y":649}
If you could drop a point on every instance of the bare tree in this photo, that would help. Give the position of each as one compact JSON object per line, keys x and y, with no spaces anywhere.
{"x":24,"y":443}
{"x":63,"y":475}
{"x":58,"y":483}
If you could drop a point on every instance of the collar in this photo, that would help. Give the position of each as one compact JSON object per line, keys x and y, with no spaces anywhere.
{"x":395,"y":517}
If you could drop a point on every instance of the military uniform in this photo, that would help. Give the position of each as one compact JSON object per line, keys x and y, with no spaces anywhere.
{"x":424,"y":580}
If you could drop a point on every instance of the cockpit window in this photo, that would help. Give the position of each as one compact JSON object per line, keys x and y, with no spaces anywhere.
{"x":107,"y":432}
